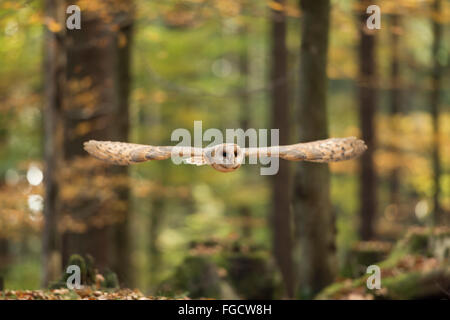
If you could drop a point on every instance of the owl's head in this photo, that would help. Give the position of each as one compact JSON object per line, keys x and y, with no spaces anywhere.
{"x":225,"y":157}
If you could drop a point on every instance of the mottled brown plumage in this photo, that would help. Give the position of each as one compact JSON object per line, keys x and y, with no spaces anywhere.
{"x":328,"y":150}
{"x":226,"y":157}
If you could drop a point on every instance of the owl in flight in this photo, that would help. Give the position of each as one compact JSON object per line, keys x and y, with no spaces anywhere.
{"x":226,"y":157}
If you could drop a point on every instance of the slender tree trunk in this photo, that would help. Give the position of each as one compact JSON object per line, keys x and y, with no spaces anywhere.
{"x":156,"y":220}
{"x":434,"y":103}
{"x":5,"y":255}
{"x":122,"y":257}
{"x":88,"y":100}
{"x":55,"y":68}
{"x":367,"y":106}
{"x":5,"y":252}
{"x":314,"y":219}
{"x":245,"y":211}
{"x":244,"y":70}
{"x":281,"y":215}
{"x":395,"y":102}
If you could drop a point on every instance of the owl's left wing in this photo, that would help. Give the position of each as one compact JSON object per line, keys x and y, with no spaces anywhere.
{"x":122,"y":153}
{"x":328,"y":150}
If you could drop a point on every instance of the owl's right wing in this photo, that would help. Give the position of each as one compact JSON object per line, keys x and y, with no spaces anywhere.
{"x":328,"y":150}
{"x":122,"y":153}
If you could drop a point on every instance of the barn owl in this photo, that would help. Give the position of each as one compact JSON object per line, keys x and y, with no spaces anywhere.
{"x":226,"y":157}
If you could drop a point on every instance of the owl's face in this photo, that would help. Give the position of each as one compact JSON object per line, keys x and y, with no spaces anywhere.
{"x":225,"y":157}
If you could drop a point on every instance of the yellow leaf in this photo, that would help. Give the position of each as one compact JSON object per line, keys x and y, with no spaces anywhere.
{"x":53,"y":26}
{"x":275,"y":6}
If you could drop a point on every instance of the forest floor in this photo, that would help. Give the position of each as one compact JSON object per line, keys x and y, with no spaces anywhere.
{"x":82,"y":294}
{"x":417,"y":267}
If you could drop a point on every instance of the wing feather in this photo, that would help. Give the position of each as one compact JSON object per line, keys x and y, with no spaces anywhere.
{"x":328,"y":150}
{"x":121,"y":153}
{"x":195,"y":160}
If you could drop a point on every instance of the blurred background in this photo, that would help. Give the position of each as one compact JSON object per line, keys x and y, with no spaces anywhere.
{"x":137,"y":70}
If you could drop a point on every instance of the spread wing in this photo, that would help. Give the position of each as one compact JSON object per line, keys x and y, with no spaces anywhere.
{"x":121,"y":153}
{"x":328,"y":150}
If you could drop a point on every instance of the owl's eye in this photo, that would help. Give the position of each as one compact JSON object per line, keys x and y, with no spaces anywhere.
{"x":235,"y":153}
{"x":224,"y":154}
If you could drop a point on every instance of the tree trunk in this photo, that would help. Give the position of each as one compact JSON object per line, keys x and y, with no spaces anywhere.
{"x":122,"y":260}
{"x":314,"y":220}
{"x":367,"y":105}
{"x":244,"y":69}
{"x":281,"y":215}
{"x":54,"y":67}
{"x":92,"y":93}
{"x":395,"y":103}
{"x":156,"y":221}
{"x":245,"y":212}
{"x":434,"y":102}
